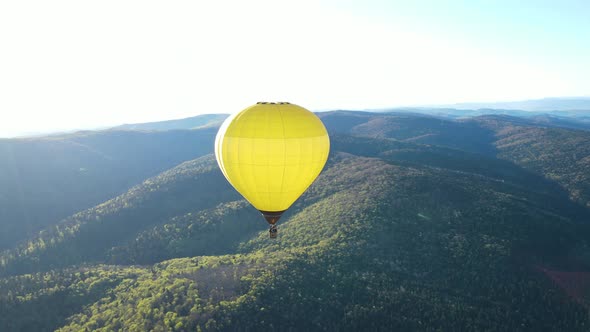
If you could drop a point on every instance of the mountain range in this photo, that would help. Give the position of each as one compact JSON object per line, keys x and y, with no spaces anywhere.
{"x":535,"y":105}
{"x":419,"y":222}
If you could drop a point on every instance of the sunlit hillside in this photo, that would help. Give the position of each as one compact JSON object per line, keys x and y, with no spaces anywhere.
{"x":416,"y":223}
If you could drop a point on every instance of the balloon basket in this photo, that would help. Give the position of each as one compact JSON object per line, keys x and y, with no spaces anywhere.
{"x":273,"y":232}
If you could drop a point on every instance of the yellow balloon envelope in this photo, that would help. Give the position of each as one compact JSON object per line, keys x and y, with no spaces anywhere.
{"x":271,"y":153}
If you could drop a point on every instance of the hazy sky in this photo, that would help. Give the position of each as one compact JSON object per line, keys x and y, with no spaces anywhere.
{"x":77,"y":64}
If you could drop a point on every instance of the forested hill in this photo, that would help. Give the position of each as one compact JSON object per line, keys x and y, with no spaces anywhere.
{"x":43,"y":180}
{"x":556,"y":153}
{"x":416,"y":224}
{"x":561,"y":155}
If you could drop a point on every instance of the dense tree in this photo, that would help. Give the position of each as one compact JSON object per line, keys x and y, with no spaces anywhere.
{"x":46,"y":179}
{"x":394,"y":235}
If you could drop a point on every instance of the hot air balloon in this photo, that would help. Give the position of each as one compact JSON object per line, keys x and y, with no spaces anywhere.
{"x":271,"y":153}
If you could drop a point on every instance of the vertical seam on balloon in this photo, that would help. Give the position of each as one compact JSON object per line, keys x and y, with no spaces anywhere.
{"x":268,"y":180}
{"x":238,"y":161}
{"x":255,"y":192}
{"x":239,"y":170}
{"x":219,"y":142}
{"x":270,"y":159}
{"x":284,"y":158}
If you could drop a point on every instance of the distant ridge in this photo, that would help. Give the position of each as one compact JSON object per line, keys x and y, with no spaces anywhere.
{"x":194,"y":122}
{"x":536,"y":105}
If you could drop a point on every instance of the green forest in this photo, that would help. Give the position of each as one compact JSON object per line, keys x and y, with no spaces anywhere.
{"x":417,"y":223}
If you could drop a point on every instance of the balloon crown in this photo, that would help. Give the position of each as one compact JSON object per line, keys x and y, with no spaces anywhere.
{"x":272,"y":103}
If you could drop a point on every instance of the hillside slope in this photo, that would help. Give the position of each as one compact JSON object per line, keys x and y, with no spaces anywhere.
{"x":43,"y":180}
{"x":398,"y":238}
{"x":561,"y":155}
{"x":557,"y":154}
{"x":415,"y":128}
{"x":150,"y":222}
{"x":88,"y":235}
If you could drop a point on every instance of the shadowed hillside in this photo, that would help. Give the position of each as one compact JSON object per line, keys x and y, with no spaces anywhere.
{"x":558,"y":154}
{"x":43,"y":180}
{"x":561,"y":155}
{"x":415,"y":128}
{"x":88,"y":235}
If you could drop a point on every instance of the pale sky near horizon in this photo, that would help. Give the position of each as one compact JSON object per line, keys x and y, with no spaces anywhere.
{"x":86,"y":64}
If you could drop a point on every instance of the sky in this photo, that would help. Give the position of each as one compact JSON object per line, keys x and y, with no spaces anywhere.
{"x":88,"y":64}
